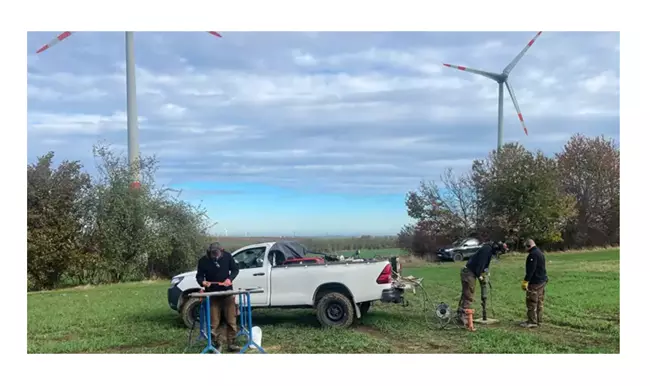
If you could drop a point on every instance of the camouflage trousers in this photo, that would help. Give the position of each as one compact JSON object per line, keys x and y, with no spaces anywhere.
{"x":535,"y":302}
{"x":468,"y":283}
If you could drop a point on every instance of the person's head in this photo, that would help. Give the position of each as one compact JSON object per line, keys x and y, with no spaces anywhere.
{"x":529,"y":244}
{"x":500,"y":247}
{"x":214,"y":250}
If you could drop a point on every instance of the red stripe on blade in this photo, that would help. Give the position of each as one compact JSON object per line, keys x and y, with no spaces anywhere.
{"x":45,"y":47}
{"x":64,"y":35}
{"x":526,"y":131}
{"x":446,"y":65}
{"x":521,"y":118}
{"x":462,"y":68}
{"x":214,"y":33}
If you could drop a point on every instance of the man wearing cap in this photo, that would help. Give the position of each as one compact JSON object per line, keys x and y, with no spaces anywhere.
{"x":477,"y":268}
{"x":215,"y":272}
{"x":534,"y":284}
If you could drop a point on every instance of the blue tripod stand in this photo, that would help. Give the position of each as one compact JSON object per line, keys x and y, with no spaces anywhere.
{"x":246,"y":322}
{"x":245,"y":318}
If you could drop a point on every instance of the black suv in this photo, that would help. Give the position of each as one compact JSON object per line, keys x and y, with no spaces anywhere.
{"x":460,"y":250}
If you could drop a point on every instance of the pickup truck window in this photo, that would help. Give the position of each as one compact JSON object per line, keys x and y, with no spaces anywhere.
{"x":250,"y":258}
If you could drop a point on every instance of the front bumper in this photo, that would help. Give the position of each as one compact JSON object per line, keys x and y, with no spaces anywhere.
{"x":173,"y":296}
{"x":392,"y":295}
{"x":444,"y":255}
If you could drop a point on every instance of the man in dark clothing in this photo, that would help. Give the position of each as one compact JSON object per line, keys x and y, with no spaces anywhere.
{"x":216,"y":271}
{"x":477,"y":268}
{"x":534,"y":284}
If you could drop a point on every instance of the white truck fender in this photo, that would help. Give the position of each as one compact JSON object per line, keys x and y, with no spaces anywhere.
{"x":357,"y":310}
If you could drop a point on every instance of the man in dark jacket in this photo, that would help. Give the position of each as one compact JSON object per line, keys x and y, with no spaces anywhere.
{"x":477,"y":268}
{"x":534,"y":284}
{"x":215,"y":272}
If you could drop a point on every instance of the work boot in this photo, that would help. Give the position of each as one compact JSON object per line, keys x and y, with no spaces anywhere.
{"x":470,"y":319}
{"x":528,"y":324}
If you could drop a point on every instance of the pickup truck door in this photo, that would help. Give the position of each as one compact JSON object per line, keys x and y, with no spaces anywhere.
{"x":254,"y":272}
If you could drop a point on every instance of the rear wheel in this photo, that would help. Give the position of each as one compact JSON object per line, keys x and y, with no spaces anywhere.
{"x":335,"y":310}
{"x":458,"y":256}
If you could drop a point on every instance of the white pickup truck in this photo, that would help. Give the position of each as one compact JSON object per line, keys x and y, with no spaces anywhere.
{"x":339,"y":291}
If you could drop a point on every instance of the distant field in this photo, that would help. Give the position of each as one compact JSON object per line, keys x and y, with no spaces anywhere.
{"x":582,"y":316}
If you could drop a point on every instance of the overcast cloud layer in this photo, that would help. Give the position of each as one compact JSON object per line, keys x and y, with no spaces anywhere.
{"x":333,"y":112}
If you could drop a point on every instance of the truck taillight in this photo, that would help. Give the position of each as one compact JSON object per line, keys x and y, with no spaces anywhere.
{"x":385,"y":276}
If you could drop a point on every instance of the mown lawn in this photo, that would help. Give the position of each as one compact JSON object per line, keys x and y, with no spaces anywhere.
{"x":582,"y":316}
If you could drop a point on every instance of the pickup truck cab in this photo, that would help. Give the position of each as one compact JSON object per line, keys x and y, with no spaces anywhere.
{"x":339,"y":291}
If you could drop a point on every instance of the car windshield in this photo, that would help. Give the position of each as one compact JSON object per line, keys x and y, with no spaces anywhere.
{"x":249,"y":255}
{"x":458,"y":243}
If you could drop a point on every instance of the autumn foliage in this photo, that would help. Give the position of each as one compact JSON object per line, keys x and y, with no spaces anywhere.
{"x":569,"y":200}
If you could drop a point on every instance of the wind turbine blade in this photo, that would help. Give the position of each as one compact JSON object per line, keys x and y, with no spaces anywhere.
{"x":215,"y":33}
{"x":514,"y":62}
{"x":514,"y":101}
{"x":54,"y":41}
{"x":473,"y":71}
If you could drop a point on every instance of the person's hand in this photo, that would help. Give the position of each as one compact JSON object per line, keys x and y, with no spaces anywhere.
{"x":227,"y":283}
{"x":205,"y":284}
{"x":524,"y":285}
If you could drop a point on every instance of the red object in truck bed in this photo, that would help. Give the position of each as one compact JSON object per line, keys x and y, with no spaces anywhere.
{"x":304,"y":261}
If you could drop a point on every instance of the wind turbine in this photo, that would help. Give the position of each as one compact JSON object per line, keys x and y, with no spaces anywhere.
{"x":502,"y":79}
{"x":131,"y":106}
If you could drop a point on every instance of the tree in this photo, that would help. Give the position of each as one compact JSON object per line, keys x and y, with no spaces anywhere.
{"x":590,"y":171}
{"x":441,"y":214}
{"x":520,"y":195}
{"x":144,"y":232}
{"x":56,"y":206}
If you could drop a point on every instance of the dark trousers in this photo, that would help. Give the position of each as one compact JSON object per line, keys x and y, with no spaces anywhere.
{"x":223,"y":305}
{"x":535,"y":302}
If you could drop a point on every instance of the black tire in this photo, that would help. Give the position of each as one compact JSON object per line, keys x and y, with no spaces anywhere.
{"x":335,"y":310}
{"x":364,"y":308}
{"x":190,"y":311}
{"x":458,"y":256}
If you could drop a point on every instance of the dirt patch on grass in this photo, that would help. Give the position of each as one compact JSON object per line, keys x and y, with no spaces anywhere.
{"x":401,"y":345}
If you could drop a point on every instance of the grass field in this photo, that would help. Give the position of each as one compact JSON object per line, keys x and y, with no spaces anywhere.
{"x":582,"y":316}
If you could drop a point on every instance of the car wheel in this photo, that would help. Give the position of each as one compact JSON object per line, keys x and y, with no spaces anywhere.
{"x":190,"y":311}
{"x":458,"y":256}
{"x":335,"y":310}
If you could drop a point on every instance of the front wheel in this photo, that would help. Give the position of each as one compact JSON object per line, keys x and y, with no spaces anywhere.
{"x":458,"y":256}
{"x":190,"y":311}
{"x":335,"y":310}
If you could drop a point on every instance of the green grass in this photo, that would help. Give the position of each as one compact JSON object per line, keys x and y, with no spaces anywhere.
{"x":582,"y":316}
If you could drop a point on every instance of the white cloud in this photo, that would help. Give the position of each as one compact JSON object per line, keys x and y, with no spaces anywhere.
{"x":358,"y":111}
{"x":172,"y":111}
{"x":51,"y":123}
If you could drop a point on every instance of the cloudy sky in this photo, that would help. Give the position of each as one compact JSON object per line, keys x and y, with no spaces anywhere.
{"x":315,"y":133}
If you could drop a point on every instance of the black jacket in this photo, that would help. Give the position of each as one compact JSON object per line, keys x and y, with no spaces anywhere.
{"x":479,"y":262}
{"x":217,"y":271}
{"x":535,"y":267}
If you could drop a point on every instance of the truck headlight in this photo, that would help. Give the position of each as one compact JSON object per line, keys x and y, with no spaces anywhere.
{"x":176,"y":280}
